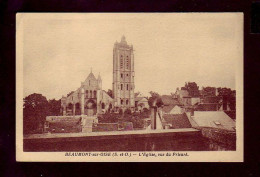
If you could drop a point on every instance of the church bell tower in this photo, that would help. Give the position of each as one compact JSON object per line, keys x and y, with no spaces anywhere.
{"x":123,"y":75}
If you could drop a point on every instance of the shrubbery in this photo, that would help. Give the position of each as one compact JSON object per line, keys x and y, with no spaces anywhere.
{"x":127,"y":116}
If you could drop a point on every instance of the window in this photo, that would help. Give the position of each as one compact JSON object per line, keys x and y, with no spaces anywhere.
{"x":126,"y":86}
{"x":121,"y":75}
{"x":103,"y":105}
{"x":127,"y":75}
{"x":121,"y":61}
{"x":95,"y":93}
{"x":122,"y":102}
{"x":86,"y":93}
{"x":127,"y":62}
{"x":217,"y":123}
{"x":126,"y":102}
{"x":121,"y":86}
{"x":90,"y":93}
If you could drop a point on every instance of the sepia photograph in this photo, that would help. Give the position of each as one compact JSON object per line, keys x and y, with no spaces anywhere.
{"x":133,"y":87}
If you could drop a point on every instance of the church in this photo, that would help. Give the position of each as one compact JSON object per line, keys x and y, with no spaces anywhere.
{"x":89,"y":99}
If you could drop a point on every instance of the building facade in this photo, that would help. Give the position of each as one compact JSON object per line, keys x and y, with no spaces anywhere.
{"x":89,"y":99}
{"x":123,"y":75}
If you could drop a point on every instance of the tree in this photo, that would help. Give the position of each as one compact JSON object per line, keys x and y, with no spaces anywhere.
{"x":35,"y":110}
{"x":128,"y":111}
{"x":54,"y":107}
{"x":155,"y":99}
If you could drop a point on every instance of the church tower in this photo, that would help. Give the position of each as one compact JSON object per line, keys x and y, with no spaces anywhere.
{"x":123,"y":75}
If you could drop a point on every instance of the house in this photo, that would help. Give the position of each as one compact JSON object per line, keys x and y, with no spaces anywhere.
{"x":172,"y":109}
{"x":169,"y":100}
{"x":185,"y":98}
{"x":179,"y":94}
{"x":213,"y":119}
{"x":141,"y":103}
{"x":171,"y":105}
{"x":208,"y":103}
{"x":176,"y":121}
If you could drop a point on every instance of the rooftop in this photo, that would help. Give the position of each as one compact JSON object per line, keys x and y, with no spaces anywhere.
{"x":214,"y":119}
{"x":177,"y":120}
{"x":169,"y":100}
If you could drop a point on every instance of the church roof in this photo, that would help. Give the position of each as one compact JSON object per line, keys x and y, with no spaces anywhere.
{"x":91,"y":77}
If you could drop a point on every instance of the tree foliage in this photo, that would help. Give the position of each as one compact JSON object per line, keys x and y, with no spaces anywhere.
{"x":54,"y":107}
{"x":35,"y":110}
{"x":155,"y":98}
{"x":128,"y":111}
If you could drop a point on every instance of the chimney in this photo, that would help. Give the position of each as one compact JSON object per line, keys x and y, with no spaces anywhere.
{"x":153,"y":117}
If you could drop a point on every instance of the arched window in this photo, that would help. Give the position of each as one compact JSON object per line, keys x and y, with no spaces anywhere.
{"x":122,"y":102}
{"x":70,"y":106}
{"x":126,"y":102}
{"x":103,"y":105}
{"x":86,"y":93}
{"x":122,"y":75}
{"x":126,"y":86}
{"x":95,"y":93}
{"x":77,"y":106}
{"x":121,"y":86}
{"x":90,"y":93}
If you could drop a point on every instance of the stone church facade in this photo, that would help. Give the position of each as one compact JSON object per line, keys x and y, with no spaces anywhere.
{"x":89,"y":99}
{"x":123,"y":75}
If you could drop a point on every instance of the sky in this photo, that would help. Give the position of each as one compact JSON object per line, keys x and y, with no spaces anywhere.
{"x":170,"y":49}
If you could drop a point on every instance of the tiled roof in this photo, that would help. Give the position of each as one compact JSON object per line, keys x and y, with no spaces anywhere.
{"x":140,"y":98}
{"x":215,"y":119}
{"x":168,"y":108}
{"x":207,"y":107}
{"x":177,"y":120}
{"x":169,"y":100}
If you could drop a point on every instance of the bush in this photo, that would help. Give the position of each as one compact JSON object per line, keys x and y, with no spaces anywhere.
{"x":128,"y":111}
{"x":146,"y":110}
{"x":120,"y":111}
